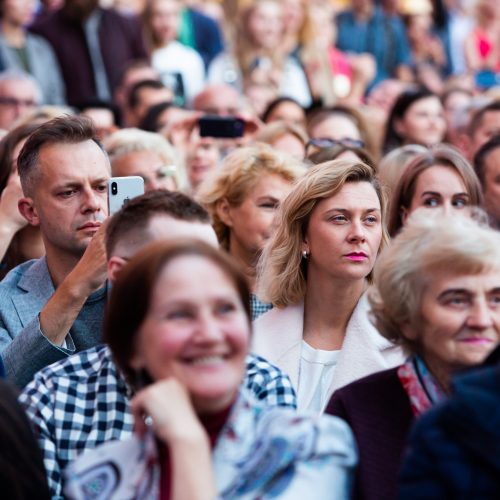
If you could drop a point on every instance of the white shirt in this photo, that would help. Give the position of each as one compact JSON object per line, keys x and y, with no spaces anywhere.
{"x":177,"y":58}
{"x":316,"y":371}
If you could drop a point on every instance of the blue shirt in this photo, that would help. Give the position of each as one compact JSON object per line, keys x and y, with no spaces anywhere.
{"x":382,"y":36}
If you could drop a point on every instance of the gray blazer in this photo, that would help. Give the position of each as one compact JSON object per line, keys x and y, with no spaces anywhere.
{"x":23,"y":347}
{"x":43,"y":67}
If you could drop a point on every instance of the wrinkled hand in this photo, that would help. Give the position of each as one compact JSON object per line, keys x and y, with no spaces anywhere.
{"x":91,"y":271}
{"x":9,"y":212}
{"x":168,"y":405}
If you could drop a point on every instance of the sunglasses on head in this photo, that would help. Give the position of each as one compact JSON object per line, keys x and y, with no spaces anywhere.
{"x":323,"y":143}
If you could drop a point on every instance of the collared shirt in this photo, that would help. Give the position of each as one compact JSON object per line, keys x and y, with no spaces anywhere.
{"x":381,"y":35}
{"x":83,"y":401}
{"x":258,"y":307}
{"x":261,"y":452}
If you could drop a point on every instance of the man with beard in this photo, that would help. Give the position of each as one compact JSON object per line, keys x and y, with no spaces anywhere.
{"x":92,"y":45}
{"x":52,"y":307}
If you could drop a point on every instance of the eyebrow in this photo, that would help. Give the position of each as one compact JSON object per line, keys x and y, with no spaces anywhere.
{"x":74,"y":183}
{"x":435,"y":193}
{"x":267,"y":197}
{"x":464,"y":291}
{"x":348,"y":211}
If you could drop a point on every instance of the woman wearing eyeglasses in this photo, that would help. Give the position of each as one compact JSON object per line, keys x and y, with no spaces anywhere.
{"x":327,"y":126}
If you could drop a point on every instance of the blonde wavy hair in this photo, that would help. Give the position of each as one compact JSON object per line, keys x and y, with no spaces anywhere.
{"x":239,"y":173}
{"x":430,"y":242}
{"x":282,"y":272}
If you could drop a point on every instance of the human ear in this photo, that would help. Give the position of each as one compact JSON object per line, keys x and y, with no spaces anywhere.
{"x":28,"y":211}
{"x":115,"y":265}
{"x":223,"y":210}
{"x":404,"y":214}
{"x":399,"y":127}
{"x":408,"y":331}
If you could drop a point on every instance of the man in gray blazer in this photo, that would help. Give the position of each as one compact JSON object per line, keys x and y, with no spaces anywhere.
{"x":52,"y":307}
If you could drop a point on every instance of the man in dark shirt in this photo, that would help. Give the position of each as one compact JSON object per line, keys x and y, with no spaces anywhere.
{"x":92,"y":45}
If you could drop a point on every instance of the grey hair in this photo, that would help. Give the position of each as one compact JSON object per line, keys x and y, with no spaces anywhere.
{"x":18,"y":75}
{"x":130,"y":140}
{"x":430,"y":242}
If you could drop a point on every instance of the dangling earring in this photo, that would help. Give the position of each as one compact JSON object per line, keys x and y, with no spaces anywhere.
{"x":305,"y":254}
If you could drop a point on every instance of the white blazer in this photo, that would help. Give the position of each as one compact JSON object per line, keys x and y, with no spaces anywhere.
{"x":277,"y":336}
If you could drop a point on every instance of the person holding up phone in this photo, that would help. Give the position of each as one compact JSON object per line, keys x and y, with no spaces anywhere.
{"x":52,"y":307}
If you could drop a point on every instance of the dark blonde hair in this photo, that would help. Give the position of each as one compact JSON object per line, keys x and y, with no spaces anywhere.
{"x":237,"y":176}
{"x":282,"y":270}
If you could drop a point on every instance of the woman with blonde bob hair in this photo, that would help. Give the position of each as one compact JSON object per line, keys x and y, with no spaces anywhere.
{"x":242,"y":197}
{"x":438,"y":296}
{"x":440,"y":177}
{"x":315,"y":270}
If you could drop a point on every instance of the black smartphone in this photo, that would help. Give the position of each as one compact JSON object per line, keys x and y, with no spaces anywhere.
{"x":223,"y":127}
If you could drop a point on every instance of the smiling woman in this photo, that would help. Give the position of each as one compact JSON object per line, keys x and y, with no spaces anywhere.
{"x":438,"y":296}
{"x":315,"y":270}
{"x":178,"y":325}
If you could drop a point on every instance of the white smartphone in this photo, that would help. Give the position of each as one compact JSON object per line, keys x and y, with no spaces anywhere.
{"x":122,"y":189}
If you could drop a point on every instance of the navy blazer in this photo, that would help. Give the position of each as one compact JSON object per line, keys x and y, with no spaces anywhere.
{"x":454,"y":449}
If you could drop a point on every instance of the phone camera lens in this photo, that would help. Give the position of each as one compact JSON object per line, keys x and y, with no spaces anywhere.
{"x":114,"y":188}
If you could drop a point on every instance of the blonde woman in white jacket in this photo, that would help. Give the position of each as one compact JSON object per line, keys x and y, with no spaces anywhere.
{"x":316,"y":270}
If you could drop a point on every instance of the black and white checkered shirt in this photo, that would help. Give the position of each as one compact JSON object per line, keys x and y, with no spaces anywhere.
{"x":258,"y":307}
{"x":82,"y":401}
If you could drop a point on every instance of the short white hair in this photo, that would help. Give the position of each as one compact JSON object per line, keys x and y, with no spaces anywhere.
{"x":131,"y":140}
{"x":17,"y":75}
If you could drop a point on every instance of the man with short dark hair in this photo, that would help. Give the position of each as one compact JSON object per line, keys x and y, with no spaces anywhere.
{"x":83,"y":401}
{"x":142,"y":96}
{"x":52,"y":307}
{"x":487,"y":167}
{"x":92,"y":45}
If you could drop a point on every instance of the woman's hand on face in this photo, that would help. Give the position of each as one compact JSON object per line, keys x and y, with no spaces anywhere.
{"x":172,"y":415}
{"x":9,"y":212}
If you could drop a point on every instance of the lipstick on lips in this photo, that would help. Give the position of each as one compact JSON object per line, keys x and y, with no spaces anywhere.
{"x":356,"y":256}
{"x":477,"y":340}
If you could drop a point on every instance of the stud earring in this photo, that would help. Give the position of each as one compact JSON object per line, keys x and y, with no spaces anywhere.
{"x":305,"y":254}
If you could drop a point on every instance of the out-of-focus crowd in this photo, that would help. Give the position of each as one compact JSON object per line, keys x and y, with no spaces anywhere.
{"x":298,"y":293}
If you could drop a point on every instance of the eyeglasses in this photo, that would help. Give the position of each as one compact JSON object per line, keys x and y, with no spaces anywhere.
{"x":11,"y":101}
{"x":166,"y":171}
{"x":323,"y":143}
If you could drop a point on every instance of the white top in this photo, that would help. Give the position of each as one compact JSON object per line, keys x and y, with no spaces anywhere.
{"x":177,"y":58}
{"x":316,"y":372}
{"x":224,"y":69}
{"x":277,"y":336}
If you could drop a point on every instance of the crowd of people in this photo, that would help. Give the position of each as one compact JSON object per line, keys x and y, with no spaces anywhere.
{"x":305,"y":301}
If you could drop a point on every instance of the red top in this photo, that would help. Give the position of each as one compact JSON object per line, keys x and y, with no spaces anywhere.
{"x":213,"y":425}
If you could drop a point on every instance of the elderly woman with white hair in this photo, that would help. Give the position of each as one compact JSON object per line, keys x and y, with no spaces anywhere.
{"x":438,"y":296}
{"x":149,"y":155}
